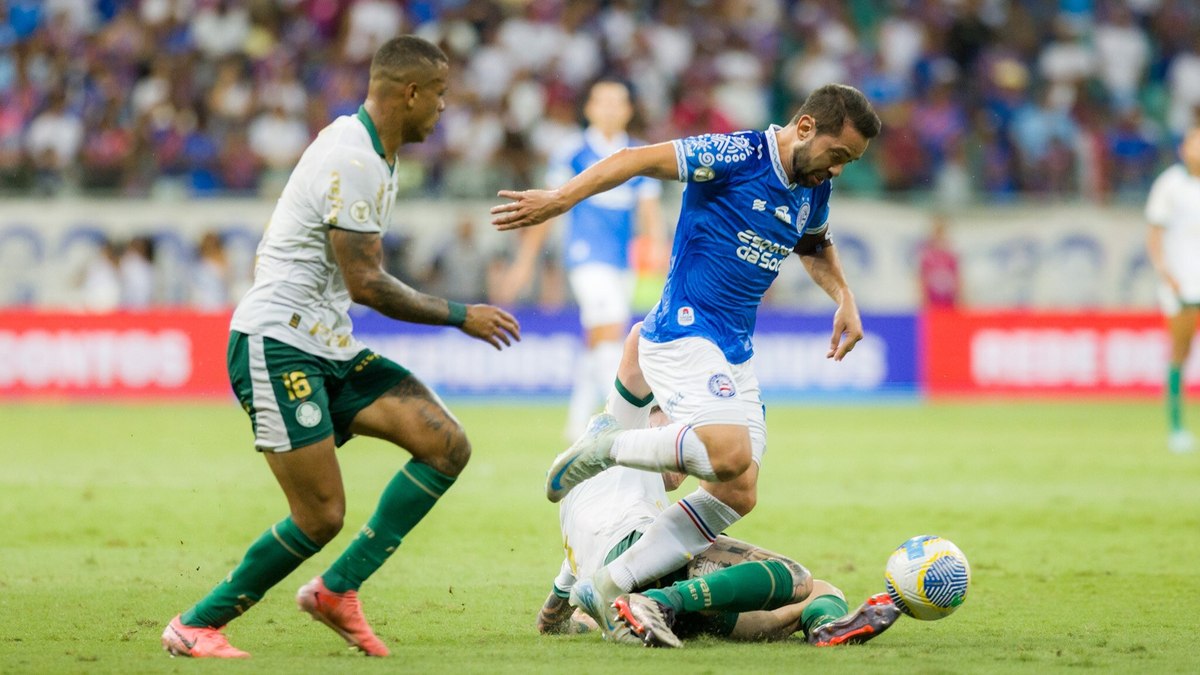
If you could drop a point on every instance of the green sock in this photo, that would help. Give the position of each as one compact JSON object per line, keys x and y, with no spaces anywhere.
{"x":745,"y":587}
{"x":273,"y":556}
{"x":405,"y":501}
{"x":821,"y":611}
{"x":1175,"y":397}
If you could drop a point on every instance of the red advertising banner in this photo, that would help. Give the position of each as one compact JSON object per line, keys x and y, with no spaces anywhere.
{"x":123,"y":355}
{"x":1044,"y":353}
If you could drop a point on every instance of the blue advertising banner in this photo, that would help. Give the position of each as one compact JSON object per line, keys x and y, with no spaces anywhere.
{"x":789,"y":356}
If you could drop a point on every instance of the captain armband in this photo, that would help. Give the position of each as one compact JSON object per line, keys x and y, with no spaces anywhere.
{"x":814,"y":243}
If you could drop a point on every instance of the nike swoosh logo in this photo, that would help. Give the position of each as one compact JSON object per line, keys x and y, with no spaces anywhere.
{"x":186,"y":643}
{"x":555,"y":483}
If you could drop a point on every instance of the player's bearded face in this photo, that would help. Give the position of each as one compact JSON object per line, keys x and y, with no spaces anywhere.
{"x":805,"y":170}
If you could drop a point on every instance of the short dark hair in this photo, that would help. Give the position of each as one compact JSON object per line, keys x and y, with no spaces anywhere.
{"x":406,"y":52}
{"x":831,"y":105}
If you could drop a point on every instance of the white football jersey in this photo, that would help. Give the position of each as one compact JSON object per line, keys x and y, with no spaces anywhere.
{"x":299,"y":296}
{"x":601,"y":511}
{"x":1174,"y":204}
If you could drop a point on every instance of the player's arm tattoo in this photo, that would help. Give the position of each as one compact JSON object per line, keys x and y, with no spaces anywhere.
{"x":360,"y":255}
{"x":555,"y":617}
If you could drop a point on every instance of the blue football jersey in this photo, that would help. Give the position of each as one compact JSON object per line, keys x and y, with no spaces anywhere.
{"x":599,"y":228}
{"x":740,"y":219}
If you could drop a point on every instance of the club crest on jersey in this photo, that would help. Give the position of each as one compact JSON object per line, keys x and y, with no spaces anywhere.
{"x":802,"y":217}
{"x":721,"y":386}
{"x":360,"y":211}
{"x":781,"y":212}
{"x":685,"y":316}
{"x":308,"y":414}
{"x":703,"y":174}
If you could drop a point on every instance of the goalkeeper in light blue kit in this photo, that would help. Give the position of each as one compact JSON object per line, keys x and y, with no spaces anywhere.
{"x":752,"y":199}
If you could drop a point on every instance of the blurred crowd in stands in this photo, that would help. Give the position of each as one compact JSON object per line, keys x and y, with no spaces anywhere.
{"x":981,"y":99}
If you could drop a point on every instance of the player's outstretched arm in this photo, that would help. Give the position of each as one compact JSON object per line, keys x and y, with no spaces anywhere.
{"x":825,"y":268}
{"x":558,"y":617}
{"x":360,"y":255}
{"x":532,"y":207}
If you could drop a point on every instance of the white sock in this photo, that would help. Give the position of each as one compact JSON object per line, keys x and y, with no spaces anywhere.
{"x":683,"y":531}
{"x":674,"y":447}
{"x":583,"y":401}
{"x":631,"y":413}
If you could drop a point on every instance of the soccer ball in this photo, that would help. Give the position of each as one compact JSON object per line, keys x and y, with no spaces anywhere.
{"x":927,"y":577}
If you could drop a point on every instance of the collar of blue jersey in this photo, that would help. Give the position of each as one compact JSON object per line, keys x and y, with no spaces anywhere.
{"x":370,"y":125}
{"x":602,"y":145}
{"x":776,"y":163}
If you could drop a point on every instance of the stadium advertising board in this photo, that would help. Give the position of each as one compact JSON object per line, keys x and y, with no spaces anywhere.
{"x":1020,"y":353}
{"x":151,"y":354}
{"x":790,"y":355}
{"x":182,"y":355}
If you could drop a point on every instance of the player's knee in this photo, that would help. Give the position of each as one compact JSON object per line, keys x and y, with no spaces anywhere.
{"x":732,"y":459}
{"x":729,"y":450}
{"x":742,"y":498}
{"x":458,"y":450}
{"x":728,"y":467}
{"x":322,"y":522}
{"x":802,"y":581}
{"x":821,"y":587}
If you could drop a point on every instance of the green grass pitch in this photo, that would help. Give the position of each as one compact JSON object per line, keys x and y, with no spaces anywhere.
{"x":1082,"y":530}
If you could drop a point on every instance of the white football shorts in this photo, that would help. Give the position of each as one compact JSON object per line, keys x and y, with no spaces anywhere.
{"x":696,"y":385}
{"x":604,"y":294}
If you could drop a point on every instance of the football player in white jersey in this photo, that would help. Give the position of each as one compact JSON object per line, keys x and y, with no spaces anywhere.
{"x":597,"y":237}
{"x":733,"y":589}
{"x":753,"y":198}
{"x":1173,"y":244}
{"x":309,"y":386}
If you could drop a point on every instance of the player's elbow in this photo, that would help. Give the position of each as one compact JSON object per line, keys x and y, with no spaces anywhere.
{"x":361,"y":288}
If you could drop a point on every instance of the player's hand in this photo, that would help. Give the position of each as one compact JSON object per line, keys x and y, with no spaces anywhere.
{"x":847,"y":329}
{"x":528,"y":207}
{"x":492,"y":325}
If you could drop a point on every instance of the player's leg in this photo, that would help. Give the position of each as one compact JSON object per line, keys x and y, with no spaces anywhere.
{"x":827,"y":603}
{"x":283,"y":391}
{"x":817,"y":608}
{"x":377,"y":397}
{"x":719,"y":578}
{"x":729,"y":581}
{"x":629,"y":397}
{"x":691,"y":525}
{"x":1181,"y":324}
{"x":411,"y":416}
{"x":708,"y":437}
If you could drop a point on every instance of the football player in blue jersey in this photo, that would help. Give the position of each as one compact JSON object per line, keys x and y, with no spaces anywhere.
{"x":752,"y":199}
{"x":596,"y":241}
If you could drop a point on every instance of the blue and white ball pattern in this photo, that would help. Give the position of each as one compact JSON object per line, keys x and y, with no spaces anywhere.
{"x":927,"y":577}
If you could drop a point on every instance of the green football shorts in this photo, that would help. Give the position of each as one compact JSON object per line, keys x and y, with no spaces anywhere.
{"x":295,"y":399}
